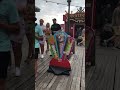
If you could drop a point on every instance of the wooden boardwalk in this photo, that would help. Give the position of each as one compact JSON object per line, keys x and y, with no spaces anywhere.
{"x":106,"y":74}
{"x":27,"y":80}
{"x":76,"y":81}
{"x":45,"y":80}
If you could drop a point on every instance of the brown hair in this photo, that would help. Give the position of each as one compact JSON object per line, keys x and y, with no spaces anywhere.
{"x":48,"y":24}
{"x":41,"y":20}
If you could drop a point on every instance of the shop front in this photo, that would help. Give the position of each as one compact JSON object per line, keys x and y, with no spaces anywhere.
{"x":77,"y":21}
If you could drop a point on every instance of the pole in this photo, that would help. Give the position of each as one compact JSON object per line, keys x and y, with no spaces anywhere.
{"x":68,"y":31}
{"x":92,"y":27}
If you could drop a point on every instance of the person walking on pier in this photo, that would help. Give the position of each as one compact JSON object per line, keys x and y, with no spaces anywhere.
{"x":8,"y":24}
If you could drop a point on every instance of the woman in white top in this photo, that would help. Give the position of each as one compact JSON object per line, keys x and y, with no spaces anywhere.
{"x":42,"y":42}
{"x":47,"y":34}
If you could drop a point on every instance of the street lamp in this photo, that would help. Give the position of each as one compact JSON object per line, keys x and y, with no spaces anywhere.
{"x":68,"y":31}
{"x":37,"y":9}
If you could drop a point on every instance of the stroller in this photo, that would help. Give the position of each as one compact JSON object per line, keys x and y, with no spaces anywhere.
{"x":106,"y":34}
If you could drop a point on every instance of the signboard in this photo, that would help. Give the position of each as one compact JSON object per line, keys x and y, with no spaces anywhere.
{"x":77,"y":17}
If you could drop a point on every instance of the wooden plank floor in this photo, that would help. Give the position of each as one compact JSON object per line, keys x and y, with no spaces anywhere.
{"x":27,"y":79}
{"x":76,"y":81}
{"x":45,"y":80}
{"x":106,"y":74}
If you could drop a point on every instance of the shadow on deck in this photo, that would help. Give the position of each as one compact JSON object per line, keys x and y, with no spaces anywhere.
{"x":27,"y":80}
{"x":106,"y":74}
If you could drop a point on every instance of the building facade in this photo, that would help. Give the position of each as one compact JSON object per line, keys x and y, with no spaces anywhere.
{"x":77,"y":20}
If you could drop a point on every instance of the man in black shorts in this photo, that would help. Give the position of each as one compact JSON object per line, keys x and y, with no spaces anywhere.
{"x":55,"y":27}
{"x":8,"y":24}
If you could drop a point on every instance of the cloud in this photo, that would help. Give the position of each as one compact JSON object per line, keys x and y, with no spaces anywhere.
{"x":52,"y":10}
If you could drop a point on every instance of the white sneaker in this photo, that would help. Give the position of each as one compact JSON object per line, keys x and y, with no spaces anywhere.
{"x":17,"y":72}
{"x":42,"y":56}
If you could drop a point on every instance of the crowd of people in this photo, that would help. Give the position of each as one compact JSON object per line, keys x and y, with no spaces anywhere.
{"x":42,"y":33}
{"x":15,"y":23}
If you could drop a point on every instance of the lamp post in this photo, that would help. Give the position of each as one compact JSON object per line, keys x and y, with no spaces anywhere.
{"x":68,"y":31}
{"x":37,"y":9}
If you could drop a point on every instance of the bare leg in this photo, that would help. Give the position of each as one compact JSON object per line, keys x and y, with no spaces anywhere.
{"x":47,"y":46}
{"x":42,"y":48}
{"x":31,"y":46}
{"x":30,"y":41}
{"x":17,"y":49}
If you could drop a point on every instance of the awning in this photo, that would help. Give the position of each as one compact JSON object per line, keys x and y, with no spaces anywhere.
{"x":37,"y":9}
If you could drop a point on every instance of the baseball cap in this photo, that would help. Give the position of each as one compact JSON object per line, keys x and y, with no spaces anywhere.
{"x":54,"y":19}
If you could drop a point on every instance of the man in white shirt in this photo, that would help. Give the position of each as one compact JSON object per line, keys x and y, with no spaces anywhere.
{"x":42,"y":41}
{"x":42,"y":24}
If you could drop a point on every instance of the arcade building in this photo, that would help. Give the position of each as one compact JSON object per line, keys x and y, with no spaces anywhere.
{"x":77,"y":20}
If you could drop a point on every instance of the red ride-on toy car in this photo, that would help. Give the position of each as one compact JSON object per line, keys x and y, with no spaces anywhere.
{"x":61,"y":47}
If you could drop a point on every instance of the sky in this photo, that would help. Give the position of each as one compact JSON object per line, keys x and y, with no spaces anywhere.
{"x":52,"y":10}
